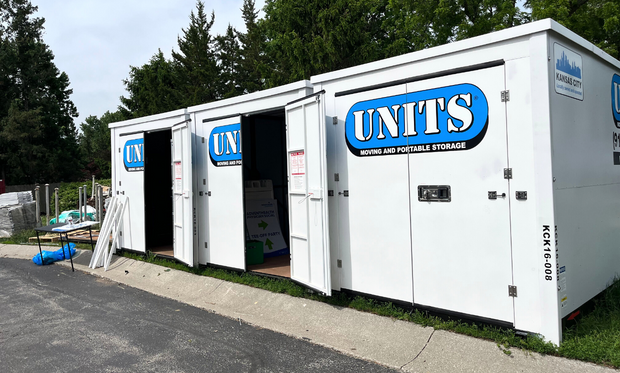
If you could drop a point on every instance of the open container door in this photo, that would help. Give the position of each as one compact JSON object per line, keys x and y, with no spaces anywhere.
{"x":182,"y":193}
{"x":130,"y":183}
{"x":307,"y":188}
{"x":226,"y":246}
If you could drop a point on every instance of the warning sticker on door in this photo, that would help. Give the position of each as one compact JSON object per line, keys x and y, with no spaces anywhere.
{"x":298,"y":170}
{"x":298,"y":167}
{"x":178,"y":176}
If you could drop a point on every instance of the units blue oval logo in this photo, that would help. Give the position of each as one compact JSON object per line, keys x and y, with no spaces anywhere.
{"x":615,"y":98}
{"x":225,"y":145}
{"x":439,"y":119}
{"x":133,"y":155}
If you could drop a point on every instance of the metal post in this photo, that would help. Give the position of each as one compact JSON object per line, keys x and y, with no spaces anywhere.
{"x":99,"y":211}
{"x":96,"y":200}
{"x":47,"y":203}
{"x":38,"y":206}
{"x":56,"y":204}
{"x":92,"y":194}
{"x":80,"y":202}
{"x":101,"y":204}
{"x":85,"y":202}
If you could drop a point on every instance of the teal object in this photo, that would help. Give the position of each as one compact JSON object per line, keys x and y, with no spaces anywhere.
{"x":75,"y":214}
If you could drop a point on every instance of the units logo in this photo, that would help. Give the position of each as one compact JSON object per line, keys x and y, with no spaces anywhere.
{"x":441,"y":119}
{"x":225,"y":145}
{"x":615,"y":98}
{"x":568,"y":69}
{"x":133,"y":155}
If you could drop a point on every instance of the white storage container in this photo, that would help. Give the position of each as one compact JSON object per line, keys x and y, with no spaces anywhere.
{"x":479,"y":178}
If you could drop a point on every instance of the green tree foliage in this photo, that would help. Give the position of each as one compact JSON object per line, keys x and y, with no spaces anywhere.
{"x":252,"y":60}
{"x":36,"y":112}
{"x":153,"y":88}
{"x":196,"y":60}
{"x":412,"y":26}
{"x":95,"y":143}
{"x":228,"y":57}
{"x":316,"y":36}
{"x":596,"y":20}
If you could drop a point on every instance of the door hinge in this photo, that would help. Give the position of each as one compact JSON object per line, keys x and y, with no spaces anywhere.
{"x":505,"y":96}
{"x":204,"y":181}
{"x":330,"y":193}
{"x":521,"y":195}
{"x":203,"y":140}
{"x":339,"y":263}
{"x":335,"y":120}
{"x":344,"y":193}
{"x":119,"y":150}
{"x":507,"y":173}
{"x":206,"y":246}
{"x":336,"y":177}
{"x":512,"y":291}
{"x":209,"y":193}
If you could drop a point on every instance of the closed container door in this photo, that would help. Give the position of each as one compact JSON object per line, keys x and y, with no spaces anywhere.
{"x":372,"y":194}
{"x":182,"y":193}
{"x":224,"y":183}
{"x":460,"y":208}
{"x":307,"y":186}
{"x":130,"y":183}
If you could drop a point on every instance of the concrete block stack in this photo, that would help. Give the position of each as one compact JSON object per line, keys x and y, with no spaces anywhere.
{"x":17,"y":212}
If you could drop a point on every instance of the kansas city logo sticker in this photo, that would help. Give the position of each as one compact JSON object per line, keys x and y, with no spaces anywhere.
{"x":441,"y":119}
{"x":615,"y":98}
{"x":133,"y":155}
{"x":225,"y":145}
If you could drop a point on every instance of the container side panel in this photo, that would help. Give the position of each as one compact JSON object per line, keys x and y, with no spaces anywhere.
{"x":373,"y":197}
{"x":201,"y":189}
{"x":331,"y":140}
{"x":182,"y":193}
{"x":532,"y":219}
{"x":586,"y":167}
{"x":461,"y":244}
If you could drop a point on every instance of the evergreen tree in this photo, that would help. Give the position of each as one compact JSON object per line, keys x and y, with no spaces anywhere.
{"x":35,"y":108}
{"x":197,"y":60}
{"x":228,"y":58}
{"x":252,"y":61}
{"x":153,"y":88}
{"x":95,"y":143}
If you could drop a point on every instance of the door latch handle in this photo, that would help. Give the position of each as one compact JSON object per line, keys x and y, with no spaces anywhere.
{"x":305,"y":198}
{"x":493,"y":195}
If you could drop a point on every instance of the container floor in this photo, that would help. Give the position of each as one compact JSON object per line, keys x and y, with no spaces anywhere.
{"x":276,"y":266}
{"x":166,"y":250}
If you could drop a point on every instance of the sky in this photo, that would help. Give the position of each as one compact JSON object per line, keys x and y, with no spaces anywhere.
{"x":96,"y":41}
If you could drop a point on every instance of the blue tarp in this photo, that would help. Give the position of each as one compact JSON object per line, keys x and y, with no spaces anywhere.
{"x":50,"y":257}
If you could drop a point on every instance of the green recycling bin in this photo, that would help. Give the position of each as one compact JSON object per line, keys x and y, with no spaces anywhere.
{"x":254,"y":252}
